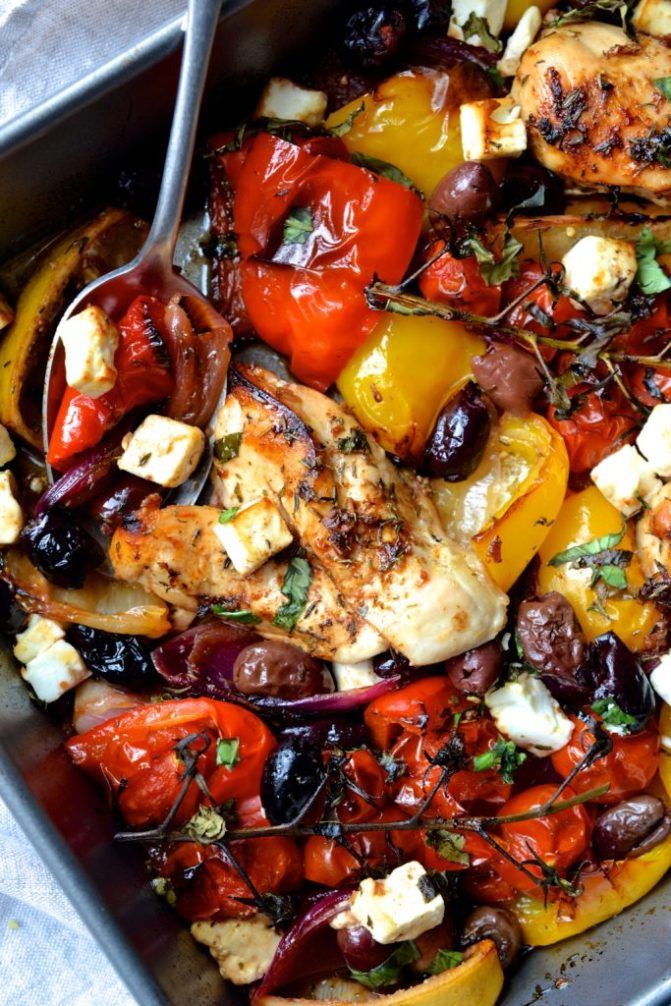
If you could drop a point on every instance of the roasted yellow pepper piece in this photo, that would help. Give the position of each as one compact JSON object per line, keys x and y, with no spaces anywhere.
{"x":99,"y":246}
{"x":602,"y":897}
{"x":516,"y":9}
{"x":411,"y":121}
{"x":585,"y":516}
{"x":398,"y":381}
{"x":507,"y":506}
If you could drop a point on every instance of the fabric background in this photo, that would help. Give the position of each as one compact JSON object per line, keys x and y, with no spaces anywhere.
{"x":47,"y":957}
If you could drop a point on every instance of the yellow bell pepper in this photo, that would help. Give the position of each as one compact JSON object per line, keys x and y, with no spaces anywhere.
{"x":507,"y":506}
{"x":477,"y":981}
{"x":585,"y":516}
{"x":411,"y":121}
{"x":665,"y":756}
{"x":99,"y":246}
{"x":398,"y":381}
{"x":516,"y":9}
{"x":602,"y":898}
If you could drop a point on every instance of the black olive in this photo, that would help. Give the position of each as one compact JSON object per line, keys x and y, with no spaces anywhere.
{"x":291,"y":777}
{"x":123,"y":660}
{"x":531,"y":188}
{"x":427,"y":15}
{"x":632,"y":826}
{"x":497,"y":924}
{"x":334,"y":732}
{"x":459,"y":437}
{"x":373,"y":34}
{"x":360,"y":950}
{"x":389,"y":663}
{"x":61,"y":549}
{"x":617,"y":675}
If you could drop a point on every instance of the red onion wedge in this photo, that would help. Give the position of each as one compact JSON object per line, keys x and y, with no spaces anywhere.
{"x":328,"y":704}
{"x":198,"y":341}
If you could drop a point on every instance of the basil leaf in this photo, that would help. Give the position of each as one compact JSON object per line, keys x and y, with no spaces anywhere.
{"x":592,"y":547}
{"x":663,"y":85}
{"x":649,"y":275}
{"x":243,"y":617}
{"x":449,"y":844}
{"x":444,"y":960}
{"x":589,"y":10}
{"x":355,"y":442}
{"x":508,"y":265}
{"x":295,"y":587}
{"x":383,"y":168}
{"x":613,"y":576}
{"x":503,"y":756}
{"x":297,"y":226}
{"x":389,"y":971}
{"x":476,"y":25}
{"x":227,"y":751}
{"x":344,"y":127}
{"x":227,"y":515}
{"x":228,"y":447}
{"x":612,"y":715}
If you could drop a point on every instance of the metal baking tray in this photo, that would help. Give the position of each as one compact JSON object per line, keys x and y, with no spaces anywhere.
{"x":54,"y":165}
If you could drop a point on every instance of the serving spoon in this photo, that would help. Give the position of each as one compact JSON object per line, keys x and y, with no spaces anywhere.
{"x":151,"y":271}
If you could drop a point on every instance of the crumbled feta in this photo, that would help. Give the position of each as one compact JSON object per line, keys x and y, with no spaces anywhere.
{"x":90,"y":340}
{"x":163,"y":450}
{"x":402,"y":906}
{"x":490,"y":11}
{"x":255,"y":534}
{"x":660,"y":678}
{"x":527,"y":28}
{"x":626,"y":479}
{"x":7,"y":448}
{"x":11,"y":514}
{"x":526,"y":713}
{"x":492,"y":128}
{"x":282,"y":99}
{"x":361,"y":675}
{"x":599,"y":271}
{"x":54,"y":671}
{"x":37,"y":637}
{"x":653,"y":17}
{"x":243,"y":948}
{"x":654,"y":440}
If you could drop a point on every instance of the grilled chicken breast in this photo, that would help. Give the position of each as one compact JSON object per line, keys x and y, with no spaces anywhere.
{"x":594,"y":115}
{"x":374,"y":532}
{"x":175,"y":553}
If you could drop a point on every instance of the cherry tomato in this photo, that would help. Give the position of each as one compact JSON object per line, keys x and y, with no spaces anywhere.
{"x":326,"y":861}
{"x":540,"y":302}
{"x":628,"y":768}
{"x":459,"y":282}
{"x":367,"y":793}
{"x":603,"y":421}
{"x":135,"y":754}
{"x":427,"y":704}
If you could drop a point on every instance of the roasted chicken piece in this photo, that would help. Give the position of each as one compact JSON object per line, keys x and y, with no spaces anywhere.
{"x":374,"y":531}
{"x":175,"y":553}
{"x":592,"y":108}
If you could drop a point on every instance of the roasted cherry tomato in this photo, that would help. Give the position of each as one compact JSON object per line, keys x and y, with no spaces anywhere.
{"x":458,"y":282}
{"x":425,"y":705}
{"x":603,"y":420}
{"x":628,"y":768}
{"x":539,"y":305}
{"x":327,"y":861}
{"x":135,"y":754}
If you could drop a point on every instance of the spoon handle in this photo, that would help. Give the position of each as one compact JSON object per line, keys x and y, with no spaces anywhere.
{"x":201,"y":23}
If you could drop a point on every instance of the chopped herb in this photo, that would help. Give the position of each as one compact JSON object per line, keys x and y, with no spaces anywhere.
{"x":207,"y":825}
{"x":663,"y":85}
{"x":295,"y":587}
{"x":383,"y":168}
{"x":389,"y":971}
{"x":495,"y":76}
{"x":427,"y":887}
{"x":297,"y":226}
{"x":612,"y":715}
{"x":227,"y":515}
{"x":494,"y":272}
{"x":244,"y":617}
{"x":163,"y":887}
{"x":612,"y":576}
{"x":448,"y":844}
{"x":228,"y":447}
{"x":227,"y":751}
{"x":344,"y":127}
{"x":444,"y":960}
{"x":355,"y":442}
{"x":476,"y":25}
{"x":649,"y":275}
{"x":588,"y":11}
{"x":504,"y":757}
{"x":592,"y":547}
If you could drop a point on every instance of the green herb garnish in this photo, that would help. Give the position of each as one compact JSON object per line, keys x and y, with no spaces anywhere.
{"x":593,"y":547}
{"x":244,"y":617}
{"x":492,"y":271}
{"x":383,"y":168}
{"x":295,"y":587}
{"x":297,"y":226}
{"x":389,"y":971}
{"x":612,"y":715}
{"x":228,"y":447}
{"x":227,"y":751}
{"x":504,"y":757}
{"x":444,"y":960}
{"x":227,"y":515}
{"x":355,"y":442}
{"x":344,"y":127}
{"x":448,"y":844}
{"x":476,"y":25}
{"x":649,"y":275}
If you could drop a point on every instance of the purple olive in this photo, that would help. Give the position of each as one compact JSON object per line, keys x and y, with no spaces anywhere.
{"x":495,"y":923}
{"x":531,"y":188}
{"x":617,"y":675}
{"x":467,"y":193}
{"x":631,"y":827}
{"x":459,"y":437}
{"x":360,"y":950}
{"x":373,"y":34}
{"x":474,"y":672}
{"x":272,"y":667}
{"x":292,"y":776}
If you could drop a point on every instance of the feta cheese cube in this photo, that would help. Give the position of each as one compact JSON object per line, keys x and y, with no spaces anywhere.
{"x":54,"y":671}
{"x":599,"y":271}
{"x":90,"y":340}
{"x":492,"y":128}
{"x":7,"y":448}
{"x":256,"y":533}
{"x":654,"y":440}
{"x":526,"y":713}
{"x":401,"y":907}
{"x":163,"y":450}
{"x":39,"y":635}
{"x":660,"y":678}
{"x":490,"y":11}
{"x":242,"y":948}
{"x":282,"y":99}
{"x":653,"y":17}
{"x":626,"y":479}
{"x":527,"y":28}
{"x":11,"y":514}
{"x":349,"y":676}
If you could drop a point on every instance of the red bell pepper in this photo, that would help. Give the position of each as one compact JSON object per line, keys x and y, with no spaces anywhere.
{"x":144,"y":376}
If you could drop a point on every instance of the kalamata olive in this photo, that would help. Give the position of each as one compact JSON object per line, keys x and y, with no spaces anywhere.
{"x":497,"y":924}
{"x":60,"y":548}
{"x":291,"y":776}
{"x":624,"y":828}
{"x":617,"y":675}
{"x":275,"y":668}
{"x":467,"y":193}
{"x":474,"y":672}
{"x":360,"y":950}
{"x":459,"y":437}
{"x":510,"y":377}
{"x":531,"y":188}
{"x":553,"y":642}
{"x":389,"y":663}
{"x":373,"y":34}
{"x":122,"y":660}
{"x":12,"y":617}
